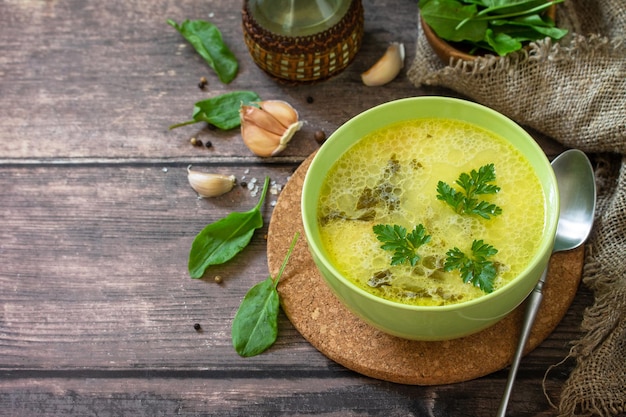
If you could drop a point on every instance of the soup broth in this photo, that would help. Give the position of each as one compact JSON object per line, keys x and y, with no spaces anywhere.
{"x":391,"y":176}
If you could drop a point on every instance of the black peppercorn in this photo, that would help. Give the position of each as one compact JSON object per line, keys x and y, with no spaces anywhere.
{"x":309,"y":99}
{"x":208,"y":144}
{"x":197,"y":327}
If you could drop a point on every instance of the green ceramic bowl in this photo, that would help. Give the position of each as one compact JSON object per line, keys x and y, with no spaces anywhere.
{"x":429,"y":322}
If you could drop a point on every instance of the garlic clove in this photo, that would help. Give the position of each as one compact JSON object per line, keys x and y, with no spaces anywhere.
{"x":281,"y":110}
{"x":266,"y":130}
{"x":286,"y":137}
{"x":209,"y":184}
{"x":260,"y":141}
{"x":261,"y":118}
{"x":387,"y":67}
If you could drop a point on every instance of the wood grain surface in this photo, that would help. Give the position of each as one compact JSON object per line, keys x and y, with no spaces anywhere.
{"x":97,"y":310}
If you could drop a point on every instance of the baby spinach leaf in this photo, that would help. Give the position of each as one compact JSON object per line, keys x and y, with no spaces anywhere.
{"x":502,"y":43}
{"x":443,"y":16}
{"x":221,"y":111}
{"x":255,"y":326}
{"x":221,"y":241}
{"x":207,"y":40}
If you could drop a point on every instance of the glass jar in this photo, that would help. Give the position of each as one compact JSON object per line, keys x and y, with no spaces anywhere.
{"x":302,"y":41}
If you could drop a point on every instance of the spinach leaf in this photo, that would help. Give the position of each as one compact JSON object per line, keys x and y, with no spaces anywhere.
{"x":221,"y":111}
{"x":207,"y":40}
{"x":255,"y":326}
{"x":443,"y":16}
{"x":221,"y":241}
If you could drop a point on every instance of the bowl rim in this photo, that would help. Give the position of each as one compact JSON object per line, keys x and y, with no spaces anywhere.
{"x":551,"y":218}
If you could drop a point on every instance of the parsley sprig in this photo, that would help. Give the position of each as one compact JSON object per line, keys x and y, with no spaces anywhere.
{"x":476,"y":269}
{"x":403,"y":245}
{"x":473,"y":184}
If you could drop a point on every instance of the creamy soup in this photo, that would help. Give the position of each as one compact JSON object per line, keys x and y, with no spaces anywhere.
{"x":391,"y":176}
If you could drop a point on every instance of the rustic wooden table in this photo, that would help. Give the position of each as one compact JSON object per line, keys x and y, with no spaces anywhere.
{"x":96,"y":221}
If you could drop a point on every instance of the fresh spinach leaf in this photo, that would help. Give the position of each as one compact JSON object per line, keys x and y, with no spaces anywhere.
{"x":255,"y":326}
{"x":221,"y":111}
{"x":207,"y":40}
{"x":443,"y":16}
{"x":221,"y":241}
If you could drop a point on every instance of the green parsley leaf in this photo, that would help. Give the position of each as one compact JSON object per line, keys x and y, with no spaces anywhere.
{"x":477,"y":269}
{"x":403,"y":245}
{"x":473,"y":184}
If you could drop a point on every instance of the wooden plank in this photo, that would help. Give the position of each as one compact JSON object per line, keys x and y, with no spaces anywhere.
{"x":204,"y":395}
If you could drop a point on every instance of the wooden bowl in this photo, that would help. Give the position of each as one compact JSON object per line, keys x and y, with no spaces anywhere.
{"x":445,"y":50}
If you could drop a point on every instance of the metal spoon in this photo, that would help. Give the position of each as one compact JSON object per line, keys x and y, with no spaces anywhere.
{"x":577,"y":193}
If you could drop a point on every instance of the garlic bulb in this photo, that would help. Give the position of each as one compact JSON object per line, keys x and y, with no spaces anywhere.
{"x":266,"y":129}
{"x":387,"y":67}
{"x":208,"y":184}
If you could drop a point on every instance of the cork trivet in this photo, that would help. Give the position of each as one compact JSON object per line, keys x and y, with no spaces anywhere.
{"x":344,"y":338}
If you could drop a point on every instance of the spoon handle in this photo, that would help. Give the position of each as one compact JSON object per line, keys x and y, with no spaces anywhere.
{"x":534,"y":301}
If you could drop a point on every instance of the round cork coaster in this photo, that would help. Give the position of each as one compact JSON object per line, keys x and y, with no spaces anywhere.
{"x":344,"y":338}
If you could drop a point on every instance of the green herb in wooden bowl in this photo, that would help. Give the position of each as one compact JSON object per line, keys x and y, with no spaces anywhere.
{"x":465,"y":28}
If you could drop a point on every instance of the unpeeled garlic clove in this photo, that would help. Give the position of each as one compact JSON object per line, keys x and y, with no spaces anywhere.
{"x":281,"y":110}
{"x":261,"y":118}
{"x":386,"y":68}
{"x":208,"y":184}
{"x":266,"y":130}
{"x":260,"y":141}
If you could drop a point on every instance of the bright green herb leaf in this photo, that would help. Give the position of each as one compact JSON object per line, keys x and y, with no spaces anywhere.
{"x":476,"y":269}
{"x":207,"y":40}
{"x":255,"y":326}
{"x":403,"y":245}
{"x":221,"y":111}
{"x":221,"y":241}
{"x":502,"y":43}
{"x":443,"y":16}
{"x":473,"y":184}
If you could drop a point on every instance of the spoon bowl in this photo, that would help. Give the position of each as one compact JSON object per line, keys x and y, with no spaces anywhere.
{"x":577,"y":193}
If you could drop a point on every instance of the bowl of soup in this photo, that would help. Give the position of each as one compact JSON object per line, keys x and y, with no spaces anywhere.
{"x":430,"y":218}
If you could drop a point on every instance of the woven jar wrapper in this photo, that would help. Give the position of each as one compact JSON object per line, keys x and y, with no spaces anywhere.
{"x":575,"y":92}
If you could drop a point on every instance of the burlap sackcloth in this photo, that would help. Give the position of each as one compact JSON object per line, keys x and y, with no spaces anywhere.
{"x":574,"y":92}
